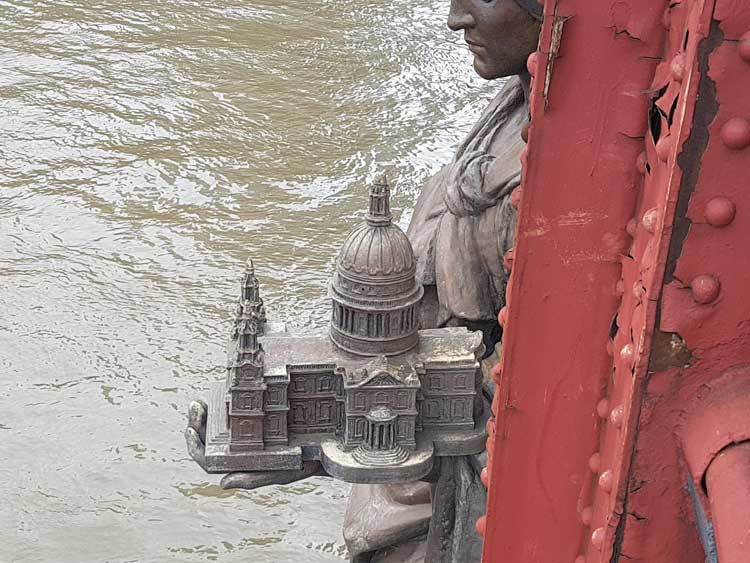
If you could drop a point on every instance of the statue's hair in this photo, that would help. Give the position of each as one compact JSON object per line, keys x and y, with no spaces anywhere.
{"x":532,"y":7}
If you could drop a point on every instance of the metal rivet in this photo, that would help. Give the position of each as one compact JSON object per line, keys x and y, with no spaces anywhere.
{"x":616,"y":416}
{"x":606,"y":480}
{"x":525,"y":132}
{"x":597,"y":537}
{"x":515,"y":197}
{"x":650,"y":219}
{"x":497,"y":372}
{"x":705,"y":289}
{"x":602,"y":408}
{"x":490,"y":425}
{"x":640,"y":162}
{"x":735,"y":133}
{"x":627,"y":354}
{"x":484,"y":476}
{"x":720,"y":212}
{"x":744,"y":47}
{"x":631,"y":226}
{"x":594,"y":462}
{"x":587,"y":514}
{"x":482,"y":525}
{"x":531,"y":63}
{"x":502,"y":316}
{"x":677,"y":67}
{"x":664,"y":148}
{"x":508,"y":259}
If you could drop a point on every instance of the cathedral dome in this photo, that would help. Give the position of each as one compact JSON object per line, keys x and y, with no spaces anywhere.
{"x":374,"y":291}
{"x":377,"y":252}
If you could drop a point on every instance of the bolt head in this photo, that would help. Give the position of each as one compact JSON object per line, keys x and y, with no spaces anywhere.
{"x":627,"y":354}
{"x":531,"y":63}
{"x":705,"y":289}
{"x":497,"y":372}
{"x":664,"y":148}
{"x":595,"y":462}
{"x":677,"y":67}
{"x":482,"y":525}
{"x":641,"y":161}
{"x":650,"y":218}
{"x":502,"y":316}
{"x":744,"y":47}
{"x":597,"y":538}
{"x":631,"y":227}
{"x":606,"y":481}
{"x":735,"y":133}
{"x":602,"y":408}
{"x":720,"y":212}
{"x":484,"y":476}
{"x":616,"y":416}
{"x":515,"y":197}
{"x":587,"y":514}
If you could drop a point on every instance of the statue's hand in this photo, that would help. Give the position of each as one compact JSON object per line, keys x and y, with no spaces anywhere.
{"x":195,"y":436}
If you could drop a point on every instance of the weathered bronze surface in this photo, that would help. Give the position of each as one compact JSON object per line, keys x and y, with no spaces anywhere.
{"x":461,"y":229}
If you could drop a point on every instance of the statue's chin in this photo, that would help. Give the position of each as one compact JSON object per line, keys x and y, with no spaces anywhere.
{"x":484,"y":70}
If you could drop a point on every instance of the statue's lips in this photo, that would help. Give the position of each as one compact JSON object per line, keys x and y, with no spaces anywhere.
{"x":475,"y":47}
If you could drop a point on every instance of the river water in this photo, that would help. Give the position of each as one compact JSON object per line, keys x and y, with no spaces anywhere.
{"x":147,"y":148}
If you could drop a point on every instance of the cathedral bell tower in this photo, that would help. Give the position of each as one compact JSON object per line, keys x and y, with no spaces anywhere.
{"x":246,"y":387}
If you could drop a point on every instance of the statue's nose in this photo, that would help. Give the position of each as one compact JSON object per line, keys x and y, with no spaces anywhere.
{"x":459,"y":17}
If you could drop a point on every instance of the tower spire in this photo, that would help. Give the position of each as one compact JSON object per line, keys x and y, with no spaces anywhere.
{"x":379,"y":213}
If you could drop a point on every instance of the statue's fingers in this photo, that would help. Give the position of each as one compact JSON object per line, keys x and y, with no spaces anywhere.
{"x":195,"y":446}
{"x":257,"y":479}
{"x":197,"y":415}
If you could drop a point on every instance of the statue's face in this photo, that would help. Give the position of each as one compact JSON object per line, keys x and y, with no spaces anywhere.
{"x":500,"y":33}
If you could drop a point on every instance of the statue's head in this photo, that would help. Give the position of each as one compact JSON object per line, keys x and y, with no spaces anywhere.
{"x":500,"y":33}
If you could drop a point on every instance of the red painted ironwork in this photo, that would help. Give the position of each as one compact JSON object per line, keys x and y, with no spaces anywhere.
{"x":624,"y":375}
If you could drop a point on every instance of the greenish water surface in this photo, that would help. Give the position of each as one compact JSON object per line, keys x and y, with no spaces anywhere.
{"x":147,"y":148}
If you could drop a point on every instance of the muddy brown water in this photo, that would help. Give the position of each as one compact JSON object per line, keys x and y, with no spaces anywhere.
{"x":147,"y":148}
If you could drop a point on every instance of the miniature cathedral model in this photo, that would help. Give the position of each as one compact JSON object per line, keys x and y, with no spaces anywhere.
{"x":375,"y":399}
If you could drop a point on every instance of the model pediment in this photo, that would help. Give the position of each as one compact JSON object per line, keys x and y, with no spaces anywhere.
{"x":381,"y":379}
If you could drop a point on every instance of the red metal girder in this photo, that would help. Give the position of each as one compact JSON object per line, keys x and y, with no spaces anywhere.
{"x":589,"y":104}
{"x":702,"y":313}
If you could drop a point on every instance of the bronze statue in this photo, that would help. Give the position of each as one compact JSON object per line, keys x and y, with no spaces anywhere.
{"x":461,"y":228}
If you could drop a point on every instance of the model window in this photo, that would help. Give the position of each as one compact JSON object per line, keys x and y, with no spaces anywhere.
{"x":436,"y":383}
{"x":326,"y":384}
{"x":326,"y":413}
{"x":299,"y":414}
{"x":359,"y":400}
{"x":432,"y":409}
